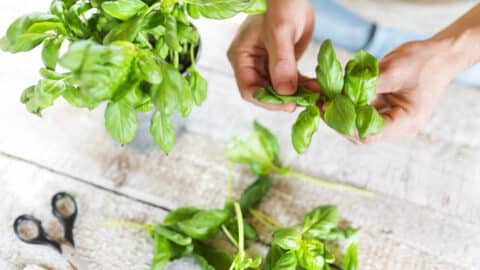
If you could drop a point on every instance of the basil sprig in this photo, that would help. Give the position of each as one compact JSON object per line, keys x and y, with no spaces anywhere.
{"x":136,"y":56}
{"x":347,"y":96}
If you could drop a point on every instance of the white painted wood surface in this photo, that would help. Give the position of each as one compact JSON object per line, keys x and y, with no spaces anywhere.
{"x":426,"y":214}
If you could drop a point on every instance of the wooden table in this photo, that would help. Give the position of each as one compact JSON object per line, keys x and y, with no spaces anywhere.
{"x":425,"y":214}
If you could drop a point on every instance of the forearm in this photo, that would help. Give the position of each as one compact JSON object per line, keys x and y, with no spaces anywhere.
{"x":461,"y":41}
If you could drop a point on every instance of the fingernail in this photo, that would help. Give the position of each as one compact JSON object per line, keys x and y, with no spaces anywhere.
{"x":284,"y":88}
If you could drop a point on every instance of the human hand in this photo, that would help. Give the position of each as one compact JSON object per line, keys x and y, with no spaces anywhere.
{"x":412,"y":79}
{"x":266,"y":48}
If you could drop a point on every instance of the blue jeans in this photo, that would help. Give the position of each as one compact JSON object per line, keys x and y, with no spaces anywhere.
{"x":351,"y":32}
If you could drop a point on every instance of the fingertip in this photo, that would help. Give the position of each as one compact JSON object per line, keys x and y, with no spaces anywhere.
{"x":285,"y":88}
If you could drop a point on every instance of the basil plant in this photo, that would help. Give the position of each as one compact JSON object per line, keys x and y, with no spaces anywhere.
{"x":136,"y":56}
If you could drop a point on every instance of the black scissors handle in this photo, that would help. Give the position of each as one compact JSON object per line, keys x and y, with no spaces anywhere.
{"x":65,"y":209}
{"x":34,"y":227}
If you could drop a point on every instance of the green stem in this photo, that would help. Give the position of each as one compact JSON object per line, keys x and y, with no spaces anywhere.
{"x":230,"y":181}
{"x":266,"y":220}
{"x":175,"y":59}
{"x":124,"y":224}
{"x":150,"y":9}
{"x":192,"y":56}
{"x":229,"y":236}
{"x":241,"y":243}
{"x":329,"y":184}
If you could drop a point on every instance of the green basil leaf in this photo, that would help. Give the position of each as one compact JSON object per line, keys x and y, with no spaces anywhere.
{"x":203,"y":263}
{"x":171,"y":235}
{"x":198,"y":85}
{"x":75,"y":97}
{"x":162,"y":252}
{"x":193,"y":11}
{"x":171,"y":37}
{"x":167,"y":96}
{"x":25,"y":42}
{"x":361,"y":78}
{"x":273,"y":255}
{"x":329,"y":70}
{"x":149,"y":67}
{"x":180,"y":214}
{"x":123,"y":9}
{"x":350,"y":260}
{"x":287,"y":261}
{"x":75,"y":19}
{"x":186,"y":98}
{"x":23,"y":24}
{"x":340,"y":115}
{"x":221,"y":9}
{"x":204,"y":224}
{"x":51,"y":50}
{"x":250,"y":150}
{"x":303,"y":97}
{"x":244,"y":262}
{"x":268,"y":140}
{"x":99,"y":70}
{"x":121,"y":121}
{"x":51,"y":75}
{"x":253,"y":195}
{"x":58,"y":7}
{"x":249,"y":232}
{"x":320,"y":220}
{"x":162,"y":131}
{"x":126,"y":31}
{"x":41,"y":96}
{"x":306,"y":125}
{"x":256,"y":7}
{"x":369,"y":122}
{"x":287,"y":239}
{"x":310,"y":254}
{"x":216,"y":258}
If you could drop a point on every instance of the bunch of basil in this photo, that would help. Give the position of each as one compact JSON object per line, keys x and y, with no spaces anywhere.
{"x":347,"y":98}
{"x":138,"y":56}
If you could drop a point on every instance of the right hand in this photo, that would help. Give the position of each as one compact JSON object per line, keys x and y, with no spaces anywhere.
{"x":266,"y":48}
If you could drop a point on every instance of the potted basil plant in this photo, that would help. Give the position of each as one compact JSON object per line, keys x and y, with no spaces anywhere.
{"x":135,"y":56}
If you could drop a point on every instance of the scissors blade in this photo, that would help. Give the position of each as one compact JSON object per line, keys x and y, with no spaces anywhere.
{"x":70,"y":255}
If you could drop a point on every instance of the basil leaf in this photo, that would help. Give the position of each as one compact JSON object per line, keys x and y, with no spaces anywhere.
{"x":253,"y":195}
{"x":99,"y":70}
{"x":123,"y":9}
{"x":268,"y":140}
{"x":121,"y":121}
{"x":41,"y":96}
{"x":162,"y":131}
{"x":28,"y":31}
{"x":167,"y":95}
{"x":287,"y":261}
{"x":304,"y":128}
{"x":204,"y":224}
{"x":186,"y":98}
{"x":126,"y":31}
{"x":287,"y":239}
{"x":369,"y":121}
{"x":220,"y":9}
{"x":250,"y":150}
{"x":273,"y":255}
{"x":75,"y":19}
{"x":329,"y":70}
{"x":193,"y":11}
{"x":77,"y":99}
{"x":340,"y":115}
{"x":171,"y":235}
{"x":320,"y":220}
{"x":162,"y":252}
{"x":180,"y":214}
{"x":51,"y":50}
{"x":256,"y":7}
{"x":336,"y":234}
{"x":171,"y":36}
{"x":203,"y":263}
{"x":310,"y":254}
{"x":216,"y":258}
{"x":350,"y":260}
{"x":198,"y":86}
{"x":58,"y":7}
{"x":303,"y":97}
{"x":249,"y":232}
{"x":51,"y":75}
{"x":149,"y":67}
{"x":361,"y":78}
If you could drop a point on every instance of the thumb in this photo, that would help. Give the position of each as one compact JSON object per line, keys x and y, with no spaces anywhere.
{"x":282,"y":63}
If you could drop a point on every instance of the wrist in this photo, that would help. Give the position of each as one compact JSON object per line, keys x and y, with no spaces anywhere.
{"x":458,"y":49}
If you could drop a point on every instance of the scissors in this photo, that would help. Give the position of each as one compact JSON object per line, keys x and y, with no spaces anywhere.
{"x":30,"y":230}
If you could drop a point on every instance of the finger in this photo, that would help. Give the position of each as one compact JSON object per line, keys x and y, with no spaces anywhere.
{"x":390,"y":79}
{"x":250,"y":79}
{"x":280,"y":45}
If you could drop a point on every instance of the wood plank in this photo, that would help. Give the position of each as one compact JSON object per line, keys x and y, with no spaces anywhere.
{"x":27,"y":187}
